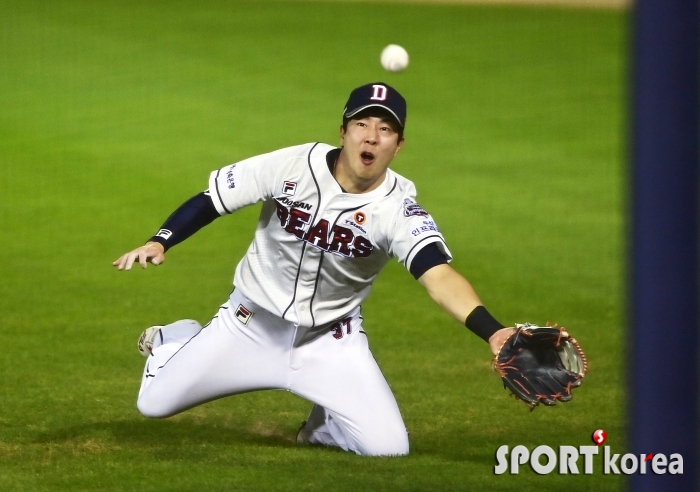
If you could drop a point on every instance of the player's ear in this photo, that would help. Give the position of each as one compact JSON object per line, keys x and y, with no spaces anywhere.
{"x":342,"y":135}
{"x":399,"y":146}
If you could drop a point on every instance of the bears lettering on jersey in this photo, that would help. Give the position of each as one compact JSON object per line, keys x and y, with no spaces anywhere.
{"x":336,"y":239}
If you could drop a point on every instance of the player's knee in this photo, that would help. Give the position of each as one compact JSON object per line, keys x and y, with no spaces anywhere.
{"x":153,"y":407}
{"x":384,"y":449}
{"x":387,"y":444}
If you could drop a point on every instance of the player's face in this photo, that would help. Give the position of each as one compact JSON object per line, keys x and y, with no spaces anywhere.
{"x":370,"y":142}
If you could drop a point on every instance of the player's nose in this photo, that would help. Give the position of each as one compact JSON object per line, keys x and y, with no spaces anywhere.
{"x":372,"y":136}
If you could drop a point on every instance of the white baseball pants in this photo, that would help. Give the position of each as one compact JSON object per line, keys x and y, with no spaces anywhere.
{"x":251,"y":349}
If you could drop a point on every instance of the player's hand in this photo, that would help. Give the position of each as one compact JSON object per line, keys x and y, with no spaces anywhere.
{"x":153,"y":252}
{"x":498,"y":338}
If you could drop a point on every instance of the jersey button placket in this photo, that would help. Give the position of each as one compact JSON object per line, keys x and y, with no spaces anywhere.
{"x":306,"y":285}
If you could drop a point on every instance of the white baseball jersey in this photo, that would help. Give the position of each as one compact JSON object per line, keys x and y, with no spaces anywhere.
{"x":317,"y":249}
{"x":293,"y":322}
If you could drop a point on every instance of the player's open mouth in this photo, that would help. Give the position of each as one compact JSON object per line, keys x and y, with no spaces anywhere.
{"x":367,"y":158}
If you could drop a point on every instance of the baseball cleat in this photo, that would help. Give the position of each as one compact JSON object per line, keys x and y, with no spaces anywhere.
{"x":145,"y":343}
{"x":303,"y":435}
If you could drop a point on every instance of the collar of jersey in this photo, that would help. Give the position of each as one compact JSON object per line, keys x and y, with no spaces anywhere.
{"x":326,"y":179}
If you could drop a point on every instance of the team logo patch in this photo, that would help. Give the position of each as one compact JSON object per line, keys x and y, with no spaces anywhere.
{"x":289,"y":188}
{"x":411,"y":208}
{"x":243,"y":314}
{"x":360,"y":217}
{"x":164,"y":233}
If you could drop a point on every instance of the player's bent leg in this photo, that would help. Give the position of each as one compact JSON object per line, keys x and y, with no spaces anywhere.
{"x":356,"y":409}
{"x":166,"y":342}
{"x":382,"y":437}
{"x":187,"y":372}
{"x":321,"y":428}
{"x":191,"y":365}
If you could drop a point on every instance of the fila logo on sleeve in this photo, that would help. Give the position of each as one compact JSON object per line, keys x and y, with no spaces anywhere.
{"x":379,"y":93}
{"x":289,"y":188}
{"x":243,"y":314}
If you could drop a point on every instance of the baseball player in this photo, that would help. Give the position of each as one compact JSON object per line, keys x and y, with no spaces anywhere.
{"x":331,"y":218}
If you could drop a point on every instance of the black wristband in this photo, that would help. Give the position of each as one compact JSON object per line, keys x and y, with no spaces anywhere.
{"x":482,"y":323}
{"x":160,"y":240}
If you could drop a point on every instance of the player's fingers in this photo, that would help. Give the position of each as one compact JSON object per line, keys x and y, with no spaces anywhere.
{"x":130,"y":258}
{"x":143,"y":259}
{"x":123,"y":260}
{"x":119,"y":262}
{"x":158,"y":259}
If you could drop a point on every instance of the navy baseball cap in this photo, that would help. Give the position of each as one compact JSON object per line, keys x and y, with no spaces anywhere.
{"x":377,"y":94}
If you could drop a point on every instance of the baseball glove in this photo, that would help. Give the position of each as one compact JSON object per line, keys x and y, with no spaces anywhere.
{"x":540,"y":364}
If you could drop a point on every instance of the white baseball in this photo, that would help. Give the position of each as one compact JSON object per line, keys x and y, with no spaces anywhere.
{"x":394,"y":58}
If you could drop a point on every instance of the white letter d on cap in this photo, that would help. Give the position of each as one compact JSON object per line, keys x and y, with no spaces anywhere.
{"x":379,"y":93}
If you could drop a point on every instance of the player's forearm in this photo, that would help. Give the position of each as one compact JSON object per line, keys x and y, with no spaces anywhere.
{"x":190,"y":217}
{"x":450,"y":291}
{"x":457,"y":297}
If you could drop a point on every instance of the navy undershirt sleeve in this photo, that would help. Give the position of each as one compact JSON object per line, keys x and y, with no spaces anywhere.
{"x":190,"y":217}
{"x":428,"y":257}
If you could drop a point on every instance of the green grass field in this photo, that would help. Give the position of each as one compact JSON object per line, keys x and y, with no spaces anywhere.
{"x":113,"y":113}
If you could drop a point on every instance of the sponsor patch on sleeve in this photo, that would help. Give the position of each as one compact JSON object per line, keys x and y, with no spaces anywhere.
{"x":412,"y":209}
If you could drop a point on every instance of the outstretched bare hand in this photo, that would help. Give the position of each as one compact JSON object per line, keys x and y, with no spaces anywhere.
{"x":151,"y":251}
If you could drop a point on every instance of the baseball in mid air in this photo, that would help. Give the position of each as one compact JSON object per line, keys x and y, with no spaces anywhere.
{"x":394,"y":58}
